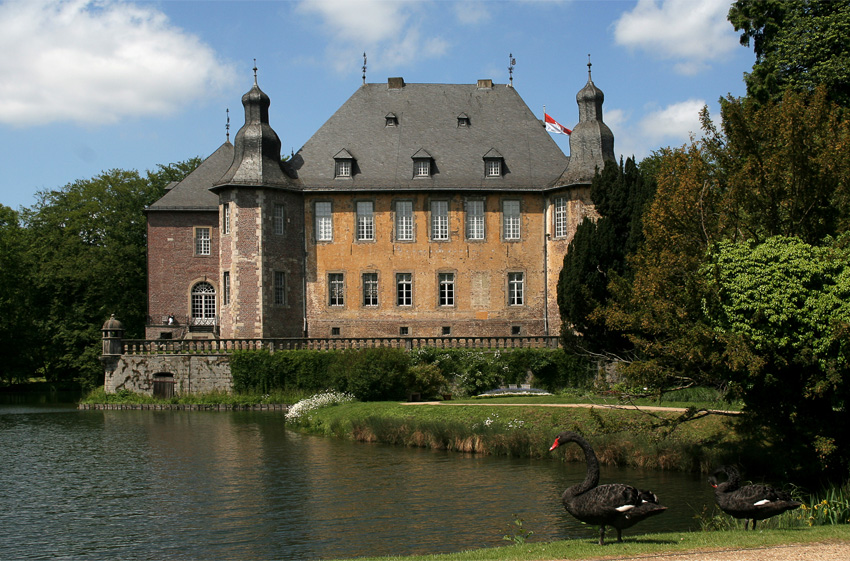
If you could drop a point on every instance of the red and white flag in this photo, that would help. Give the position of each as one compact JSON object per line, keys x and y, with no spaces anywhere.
{"x":554,"y":126}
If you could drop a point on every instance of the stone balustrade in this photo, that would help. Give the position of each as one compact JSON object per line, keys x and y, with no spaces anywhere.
{"x":227,"y":346}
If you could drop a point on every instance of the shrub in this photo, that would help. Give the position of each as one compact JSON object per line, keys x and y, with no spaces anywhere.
{"x":379,"y":374}
{"x":427,"y":379}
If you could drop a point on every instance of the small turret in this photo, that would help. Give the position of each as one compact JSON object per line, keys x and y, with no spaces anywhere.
{"x":113,"y":335}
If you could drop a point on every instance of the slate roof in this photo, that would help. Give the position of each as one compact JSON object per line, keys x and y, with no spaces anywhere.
{"x":499,"y":122}
{"x":193,"y":193}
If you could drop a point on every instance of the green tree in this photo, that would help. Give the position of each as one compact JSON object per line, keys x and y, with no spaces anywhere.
{"x":784,"y":167}
{"x":782,"y":309}
{"x":597,"y":252}
{"x":87,"y":243}
{"x":799,"y":44}
{"x":659,"y":308}
{"x":16,"y":326}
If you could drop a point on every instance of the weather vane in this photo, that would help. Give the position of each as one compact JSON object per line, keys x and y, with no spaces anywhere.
{"x":255,"y":72}
{"x":364,"y":68}
{"x":511,"y":69}
{"x":227,"y":124}
{"x":588,"y":66}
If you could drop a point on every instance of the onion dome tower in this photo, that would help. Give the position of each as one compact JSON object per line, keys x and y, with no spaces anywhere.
{"x":261,"y":233}
{"x":591,"y":142}
{"x":256,"y":155}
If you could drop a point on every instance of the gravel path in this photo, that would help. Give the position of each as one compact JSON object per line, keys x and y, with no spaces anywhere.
{"x":839,"y":551}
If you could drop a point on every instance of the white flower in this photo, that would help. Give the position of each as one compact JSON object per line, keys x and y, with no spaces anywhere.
{"x":317,"y":402}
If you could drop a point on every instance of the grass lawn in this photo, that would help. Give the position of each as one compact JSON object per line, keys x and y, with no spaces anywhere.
{"x":640,"y":546}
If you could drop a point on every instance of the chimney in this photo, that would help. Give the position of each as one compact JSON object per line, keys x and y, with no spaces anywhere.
{"x":395,"y":83}
{"x":485,"y":84}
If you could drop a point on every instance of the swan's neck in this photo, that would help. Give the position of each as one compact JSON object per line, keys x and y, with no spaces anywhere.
{"x":591,"y":478}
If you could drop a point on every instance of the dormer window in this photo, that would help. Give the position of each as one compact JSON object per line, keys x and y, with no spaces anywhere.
{"x":422,"y":164}
{"x":343,"y":168}
{"x":422,"y":168}
{"x":343,"y":164}
{"x":392,"y":120}
{"x":463,"y":120}
{"x":493,"y":164}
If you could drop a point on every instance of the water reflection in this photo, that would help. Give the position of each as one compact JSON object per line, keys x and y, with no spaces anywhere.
{"x":216,"y":485}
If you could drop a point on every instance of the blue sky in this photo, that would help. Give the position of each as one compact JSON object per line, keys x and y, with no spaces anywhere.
{"x":91,"y":85}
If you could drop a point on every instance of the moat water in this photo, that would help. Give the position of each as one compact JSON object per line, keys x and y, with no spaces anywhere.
{"x":159,"y":485}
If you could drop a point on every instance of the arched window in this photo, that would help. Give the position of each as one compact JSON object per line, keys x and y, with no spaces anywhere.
{"x":203,"y":304}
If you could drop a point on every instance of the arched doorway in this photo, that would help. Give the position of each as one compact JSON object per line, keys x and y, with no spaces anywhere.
{"x":203,"y":307}
{"x":163,"y":385}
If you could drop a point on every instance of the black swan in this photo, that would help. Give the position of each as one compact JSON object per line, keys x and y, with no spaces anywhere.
{"x":616,"y":505}
{"x":750,"y":502}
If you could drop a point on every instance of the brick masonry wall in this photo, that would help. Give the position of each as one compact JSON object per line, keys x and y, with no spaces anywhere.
{"x":481,"y":269}
{"x":173,"y":267}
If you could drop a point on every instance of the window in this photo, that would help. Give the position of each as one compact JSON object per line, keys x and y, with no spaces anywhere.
{"x":342,"y":168}
{"x":403,"y":330}
{"x":439,"y":220}
{"x":324,"y":222}
{"x":463,"y":120}
{"x":404,"y":221}
{"x":279,"y":287}
{"x":510,"y":220}
{"x":203,"y":304}
{"x":391,"y":120}
{"x":336,"y":289}
{"x":447,"y":289}
{"x":516,"y":282}
{"x":475,"y":220}
{"x":225,"y":284}
{"x":422,"y":168}
{"x":335,"y":331}
{"x":279,"y":219}
{"x":225,"y":217}
{"x":370,"y":289}
{"x":516,"y":330}
{"x":447,"y":330}
{"x":560,"y":217}
{"x":365,"y":221}
{"x":493,"y":168}
{"x":202,"y":241}
{"x":404,"y":289}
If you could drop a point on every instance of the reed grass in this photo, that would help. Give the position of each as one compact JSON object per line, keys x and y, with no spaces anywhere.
{"x":620,"y":437}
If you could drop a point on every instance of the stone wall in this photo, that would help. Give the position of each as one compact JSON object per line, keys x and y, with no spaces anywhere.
{"x":188,"y":373}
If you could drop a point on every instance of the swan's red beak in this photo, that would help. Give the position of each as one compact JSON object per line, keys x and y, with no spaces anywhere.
{"x":555,"y":445}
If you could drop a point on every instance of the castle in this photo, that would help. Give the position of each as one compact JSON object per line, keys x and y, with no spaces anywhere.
{"x":420,"y":210}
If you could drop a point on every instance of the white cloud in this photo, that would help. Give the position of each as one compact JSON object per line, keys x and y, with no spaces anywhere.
{"x":379,"y":27}
{"x":674,"y":124}
{"x":693,"y":33}
{"x":98,"y":61}
{"x":472,"y":12}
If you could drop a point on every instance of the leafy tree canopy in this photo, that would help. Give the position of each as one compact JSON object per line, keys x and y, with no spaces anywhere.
{"x":84,"y":245}
{"x":783,"y":309}
{"x":799,"y":44}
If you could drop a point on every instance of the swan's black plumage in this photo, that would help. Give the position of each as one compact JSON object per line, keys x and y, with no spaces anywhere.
{"x":750,"y":502}
{"x":616,"y":505}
